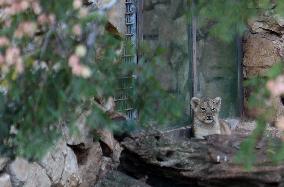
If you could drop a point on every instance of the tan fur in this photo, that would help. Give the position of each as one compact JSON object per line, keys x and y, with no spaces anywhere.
{"x":206,"y":117}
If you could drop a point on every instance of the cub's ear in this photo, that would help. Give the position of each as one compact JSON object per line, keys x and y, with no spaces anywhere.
{"x":218,"y":102}
{"x":194,"y":102}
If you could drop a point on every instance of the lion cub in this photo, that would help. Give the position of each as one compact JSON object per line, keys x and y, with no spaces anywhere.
{"x":206,"y":117}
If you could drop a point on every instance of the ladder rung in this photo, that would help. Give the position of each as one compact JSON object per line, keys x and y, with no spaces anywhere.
{"x":129,"y":23}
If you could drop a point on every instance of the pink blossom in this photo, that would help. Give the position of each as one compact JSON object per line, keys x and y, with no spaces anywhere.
{"x":74,"y":63}
{"x":4,"y":41}
{"x":276,"y":87}
{"x":13,"y":57}
{"x":19,"y":66}
{"x":24,"y":5}
{"x":73,"y":60}
{"x":46,"y":19}
{"x":36,"y":8}
{"x":27,"y":28}
{"x":42,"y":19}
{"x":77,"y":68}
{"x":14,"y":7}
{"x":52,"y":19}
{"x":77,"y":30}
{"x":77,"y":4}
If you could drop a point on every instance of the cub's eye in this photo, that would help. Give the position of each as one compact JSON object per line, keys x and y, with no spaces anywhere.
{"x":213,"y":109}
{"x":203,"y":109}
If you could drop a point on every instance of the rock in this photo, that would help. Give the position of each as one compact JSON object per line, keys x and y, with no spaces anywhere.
{"x":277,"y":106}
{"x":102,"y":4}
{"x":107,"y":138}
{"x":266,"y":24}
{"x":254,"y":71}
{"x":116,"y":152}
{"x":193,"y":162}
{"x":18,"y":171}
{"x":5,"y":180}
{"x":256,"y":56}
{"x":37,"y":177}
{"x":263,"y":47}
{"x":280,"y":20}
{"x":82,"y":134}
{"x":118,"y":179}
{"x":61,"y":164}
{"x":233,"y":122}
{"x":116,"y":16}
{"x":109,"y":145}
{"x":106,"y":165}
{"x":3,"y":162}
{"x":257,"y":61}
{"x":182,"y":133}
{"x":25,"y":174}
{"x":255,"y":26}
{"x":90,"y":164}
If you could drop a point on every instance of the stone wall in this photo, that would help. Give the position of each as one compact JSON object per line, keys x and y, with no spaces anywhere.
{"x":165,"y":30}
{"x":263,"y":47}
{"x":217,"y":71}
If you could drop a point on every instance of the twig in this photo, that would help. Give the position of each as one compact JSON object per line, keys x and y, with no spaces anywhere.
{"x":46,"y":41}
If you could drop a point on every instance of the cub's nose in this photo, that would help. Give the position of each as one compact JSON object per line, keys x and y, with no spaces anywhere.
{"x":209,"y":117}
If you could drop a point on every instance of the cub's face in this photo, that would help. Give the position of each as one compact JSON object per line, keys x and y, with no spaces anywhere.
{"x":206,"y":110}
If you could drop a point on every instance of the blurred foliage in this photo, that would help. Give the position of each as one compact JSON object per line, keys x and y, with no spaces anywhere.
{"x":66,"y":62}
{"x":227,"y":18}
{"x":260,"y":101}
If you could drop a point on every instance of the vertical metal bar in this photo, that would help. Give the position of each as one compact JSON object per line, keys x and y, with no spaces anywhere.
{"x":240,"y":75}
{"x":139,"y":14}
{"x":192,"y":41}
{"x":189,"y":43}
{"x":194,"y":48}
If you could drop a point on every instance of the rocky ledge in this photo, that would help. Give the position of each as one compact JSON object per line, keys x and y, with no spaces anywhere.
{"x":166,"y":161}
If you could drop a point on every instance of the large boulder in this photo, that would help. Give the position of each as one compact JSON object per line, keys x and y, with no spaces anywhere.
{"x":23,"y":173}
{"x":37,"y":177}
{"x":192,"y":162}
{"x":19,"y":171}
{"x":263,"y":47}
{"x":80,"y":134}
{"x":61,"y":165}
{"x":3,"y":162}
{"x":118,"y":179}
{"x":109,"y":144}
{"x":90,"y":165}
{"x":5,"y":180}
{"x":260,"y":53}
{"x":116,"y":16}
{"x":266,"y":23}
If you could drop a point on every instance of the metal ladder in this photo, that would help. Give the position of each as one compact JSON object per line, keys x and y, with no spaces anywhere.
{"x":126,"y":86}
